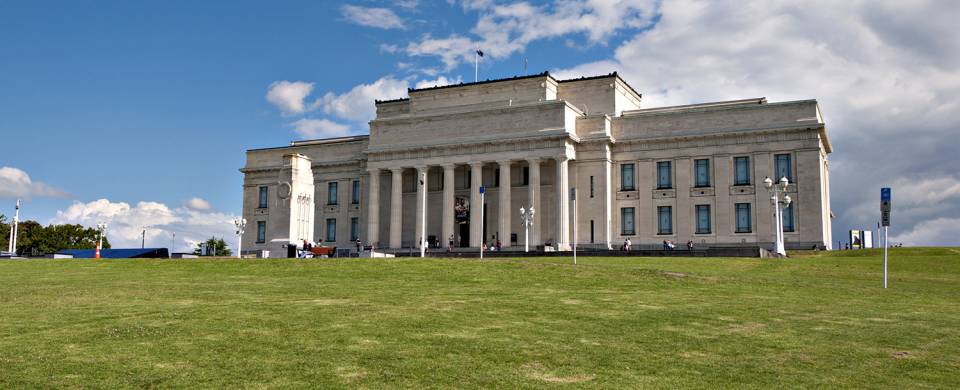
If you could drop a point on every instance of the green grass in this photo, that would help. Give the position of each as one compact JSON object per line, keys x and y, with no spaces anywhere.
{"x":819,"y":320}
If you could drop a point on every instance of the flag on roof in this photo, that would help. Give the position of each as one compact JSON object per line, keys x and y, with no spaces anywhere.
{"x":480,"y":52}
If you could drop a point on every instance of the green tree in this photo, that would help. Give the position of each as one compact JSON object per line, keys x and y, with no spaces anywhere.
{"x":4,"y":233}
{"x":36,"y":239}
{"x":220,"y":246}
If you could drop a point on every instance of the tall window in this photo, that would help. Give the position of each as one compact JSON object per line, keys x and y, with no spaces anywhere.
{"x":783,"y":167}
{"x":354,"y":228}
{"x":664,"y":175}
{"x":627,"y":225}
{"x":703,"y":219}
{"x":263,"y":197}
{"x":744,"y":222}
{"x":332,"y":192}
{"x":741,"y":171}
{"x":788,"y":218}
{"x":591,"y":186}
{"x":665,"y":220}
{"x":626,"y":177}
{"x":355,"y":192}
{"x":702,"y":168}
{"x":261,"y":232}
{"x":331,"y":229}
{"x":526,"y":176}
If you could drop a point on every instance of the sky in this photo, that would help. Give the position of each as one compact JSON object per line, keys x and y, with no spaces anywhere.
{"x":139,"y":113}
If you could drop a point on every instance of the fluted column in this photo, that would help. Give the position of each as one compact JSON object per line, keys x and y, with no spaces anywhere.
{"x":563,"y":204}
{"x":448,"y":204}
{"x":396,"y":207}
{"x":476,"y":222}
{"x":506,"y":208}
{"x":421,"y":216}
{"x":533,"y":196}
{"x":373,"y":208}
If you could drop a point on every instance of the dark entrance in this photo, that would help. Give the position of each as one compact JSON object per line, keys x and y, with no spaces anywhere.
{"x":464,"y":235}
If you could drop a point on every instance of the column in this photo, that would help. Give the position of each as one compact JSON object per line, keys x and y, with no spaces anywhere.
{"x":421,"y":183}
{"x":447,"y":228}
{"x":396,"y":207}
{"x":533,"y":196}
{"x":563,"y":204}
{"x":373,"y":208}
{"x":506,"y":208}
{"x":476,"y":222}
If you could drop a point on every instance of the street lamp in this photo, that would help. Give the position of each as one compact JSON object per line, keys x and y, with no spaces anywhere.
{"x":779,"y":200}
{"x":100,"y":228}
{"x":240,"y":223}
{"x":526,"y":217}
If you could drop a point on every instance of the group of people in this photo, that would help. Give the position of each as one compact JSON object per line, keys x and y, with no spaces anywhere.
{"x":494,"y":246}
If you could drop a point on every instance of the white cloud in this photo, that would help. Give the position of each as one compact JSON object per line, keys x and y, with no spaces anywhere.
{"x":198,"y":204}
{"x":407,"y":4}
{"x":438,"y":82}
{"x":320,"y":128}
{"x":358,"y":104}
{"x":372,"y":17}
{"x":15,"y":183}
{"x":936,"y":232}
{"x":289,"y":96}
{"x":125,"y":223}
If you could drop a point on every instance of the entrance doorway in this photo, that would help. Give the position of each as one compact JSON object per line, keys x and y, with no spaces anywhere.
{"x":464,"y":235}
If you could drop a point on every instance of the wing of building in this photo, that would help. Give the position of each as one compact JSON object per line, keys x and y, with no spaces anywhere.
{"x":683,"y":173}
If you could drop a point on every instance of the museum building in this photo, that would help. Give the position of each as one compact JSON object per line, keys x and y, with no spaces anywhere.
{"x":682,"y":173}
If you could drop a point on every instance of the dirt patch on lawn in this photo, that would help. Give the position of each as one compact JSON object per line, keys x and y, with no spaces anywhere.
{"x":538,"y":372}
{"x":901,"y":355}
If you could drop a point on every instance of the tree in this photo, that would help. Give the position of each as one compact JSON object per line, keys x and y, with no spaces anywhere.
{"x":36,"y":239}
{"x":4,"y":233}
{"x":220,"y":247}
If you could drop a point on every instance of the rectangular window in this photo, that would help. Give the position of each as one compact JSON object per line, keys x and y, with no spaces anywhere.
{"x":627,"y":226}
{"x":591,"y":186}
{"x":783,"y":167}
{"x":354,"y":228}
{"x":788,"y":218}
{"x":261,"y":232}
{"x":263,"y":197}
{"x":626,"y":177}
{"x":741,"y":171}
{"x":355,"y":192}
{"x":332,"y":193}
{"x":331,"y":230}
{"x":744,"y":222}
{"x":703,"y":219}
{"x":591,"y":231}
{"x":664,"y":220}
{"x":702,"y":174}
{"x":664,"y":175}
{"x":526,"y":176}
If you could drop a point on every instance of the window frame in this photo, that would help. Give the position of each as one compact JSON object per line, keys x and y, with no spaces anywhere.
{"x":632,"y":220}
{"x":354,"y":228}
{"x":747,"y":181}
{"x":669,"y":177}
{"x":748,"y":207}
{"x":696,"y":173}
{"x":263,"y":200}
{"x":789,"y":166}
{"x":331,"y":235}
{"x":793,"y":220}
{"x":697,"y":227}
{"x":261,"y":232}
{"x":333,"y":197}
{"x":355,"y":192}
{"x":632,"y":176}
{"x":660,"y":228}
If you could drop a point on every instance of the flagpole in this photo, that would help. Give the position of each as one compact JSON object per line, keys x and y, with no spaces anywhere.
{"x":476,"y":66}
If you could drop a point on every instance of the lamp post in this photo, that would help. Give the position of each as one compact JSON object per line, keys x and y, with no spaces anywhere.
{"x":101,"y":227}
{"x":526,"y":217}
{"x":13,"y":230}
{"x":779,"y":200}
{"x":241,"y":223}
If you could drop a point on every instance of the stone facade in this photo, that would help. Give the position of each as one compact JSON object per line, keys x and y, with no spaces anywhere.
{"x":683,"y":173}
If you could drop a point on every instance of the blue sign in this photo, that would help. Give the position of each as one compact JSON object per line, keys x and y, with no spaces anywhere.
{"x":482,"y":189}
{"x":885,"y":194}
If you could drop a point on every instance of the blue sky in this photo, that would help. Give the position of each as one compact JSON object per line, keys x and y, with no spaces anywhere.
{"x":120,"y":103}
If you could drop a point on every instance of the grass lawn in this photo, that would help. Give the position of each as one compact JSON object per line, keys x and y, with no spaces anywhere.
{"x":819,"y":320}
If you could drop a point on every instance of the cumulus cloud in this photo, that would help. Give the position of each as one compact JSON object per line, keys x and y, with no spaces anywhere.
{"x":935,"y":232}
{"x":15,"y":183}
{"x":438,"y":82}
{"x":198,"y":204}
{"x":320,"y":128}
{"x":126,"y":223}
{"x":358,"y":104}
{"x":372,"y":17}
{"x":289,"y":96}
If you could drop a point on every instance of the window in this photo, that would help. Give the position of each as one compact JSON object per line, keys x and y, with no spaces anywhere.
{"x":664,"y":220}
{"x":744,"y":223}
{"x":627,"y":226}
{"x":261,"y":231}
{"x":526,"y":176}
{"x":626,"y":177}
{"x":354,"y":228}
{"x":591,"y":186}
{"x":702,"y":174}
{"x":331,"y":230}
{"x":783,"y":167}
{"x":788,"y":218}
{"x":355,"y":192}
{"x":664,"y":175}
{"x":591,"y":231}
{"x":741,"y":171}
{"x":332,"y":193}
{"x":703,"y":219}
{"x":263,"y":197}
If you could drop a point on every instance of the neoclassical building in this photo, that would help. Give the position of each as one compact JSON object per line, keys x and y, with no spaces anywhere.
{"x":681,"y":173}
